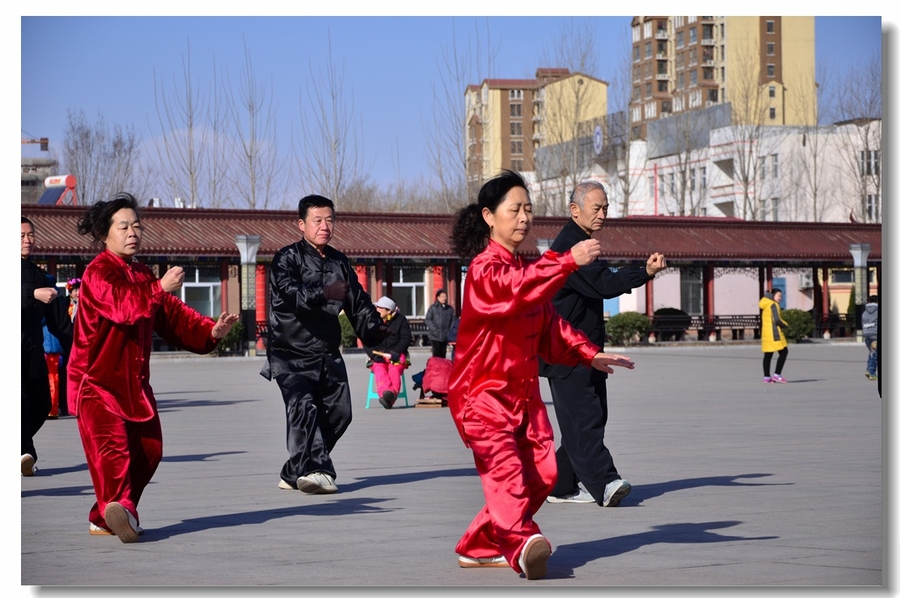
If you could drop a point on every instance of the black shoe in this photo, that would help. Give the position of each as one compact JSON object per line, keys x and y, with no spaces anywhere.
{"x":387,"y":399}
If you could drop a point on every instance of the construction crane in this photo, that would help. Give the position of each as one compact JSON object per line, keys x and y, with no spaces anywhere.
{"x":45,"y":143}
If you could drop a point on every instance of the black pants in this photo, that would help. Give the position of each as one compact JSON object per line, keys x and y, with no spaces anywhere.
{"x":779,"y":365}
{"x":36,"y":401}
{"x":317,"y":413}
{"x":581,"y":412}
{"x":439,"y":349}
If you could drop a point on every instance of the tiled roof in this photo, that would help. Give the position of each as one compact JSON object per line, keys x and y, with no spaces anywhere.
{"x":211,"y":233}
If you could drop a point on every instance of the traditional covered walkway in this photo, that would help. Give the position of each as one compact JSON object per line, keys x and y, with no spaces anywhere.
{"x":379,"y":245}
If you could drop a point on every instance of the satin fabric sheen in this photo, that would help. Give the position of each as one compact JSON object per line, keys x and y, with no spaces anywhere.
{"x":507,"y":323}
{"x":122,"y":303}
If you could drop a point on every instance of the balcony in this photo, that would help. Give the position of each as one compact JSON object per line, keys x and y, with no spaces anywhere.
{"x":707,"y":41}
{"x":662,"y":34}
{"x":663,"y":76}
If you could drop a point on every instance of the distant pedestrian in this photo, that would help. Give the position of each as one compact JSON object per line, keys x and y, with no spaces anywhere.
{"x":439,"y":319}
{"x":870,"y":336}
{"x":772,"y":335}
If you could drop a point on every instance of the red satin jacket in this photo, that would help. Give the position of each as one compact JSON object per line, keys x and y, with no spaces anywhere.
{"x":120,"y":306}
{"x":507,"y":322}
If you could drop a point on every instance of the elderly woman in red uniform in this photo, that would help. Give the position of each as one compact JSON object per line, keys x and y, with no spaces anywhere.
{"x":122,"y":303}
{"x":507,"y":322}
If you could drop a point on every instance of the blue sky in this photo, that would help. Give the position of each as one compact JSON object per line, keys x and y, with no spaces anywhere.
{"x":107,"y":65}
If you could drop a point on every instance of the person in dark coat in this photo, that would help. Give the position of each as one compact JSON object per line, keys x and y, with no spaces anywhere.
{"x":391,"y":356}
{"x":310,"y":284}
{"x":39,"y":302}
{"x":439,"y":318}
{"x":579,"y":393}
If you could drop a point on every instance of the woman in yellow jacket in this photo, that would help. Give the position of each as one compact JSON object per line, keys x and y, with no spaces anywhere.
{"x":772,"y":333}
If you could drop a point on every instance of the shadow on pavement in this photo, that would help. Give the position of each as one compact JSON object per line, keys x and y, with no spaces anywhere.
{"x":639,"y":493}
{"x":569,"y":557}
{"x":347,"y":506}
{"x":406,"y":478}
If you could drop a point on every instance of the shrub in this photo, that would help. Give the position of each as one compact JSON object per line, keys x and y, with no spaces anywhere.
{"x":627,"y":327}
{"x":799,"y":324}
{"x":348,"y":335}
{"x":670,"y":323}
{"x":233,"y":341}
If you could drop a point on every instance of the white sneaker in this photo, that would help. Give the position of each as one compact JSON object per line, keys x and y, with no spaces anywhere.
{"x":122,"y":523}
{"x":615,"y":491}
{"x":27,"y":465}
{"x":468,"y":562}
{"x":318,"y":482}
{"x":582,"y":496}
{"x":96,"y":530}
{"x":533,"y":558}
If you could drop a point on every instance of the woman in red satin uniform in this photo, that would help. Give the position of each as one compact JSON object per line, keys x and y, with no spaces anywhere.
{"x":122,"y":303}
{"x":507,"y":322}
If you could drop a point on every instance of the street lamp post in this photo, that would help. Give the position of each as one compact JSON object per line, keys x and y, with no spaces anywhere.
{"x":248,"y":245}
{"x":860,"y":253}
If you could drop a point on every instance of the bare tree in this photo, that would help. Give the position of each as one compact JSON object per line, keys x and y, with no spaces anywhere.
{"x":859,"y":112}
{"x":445,"y":134}
{"x":806,"y":167}
{"x":330,"y":155}
{"x":625,"y":161}
{"x":181,"y":146}
{"x":256,"y":170}
{"x":684,"y":137}
{"x":749,"y":105}
{"x":103,"y":158}
{"x":571,"y":103}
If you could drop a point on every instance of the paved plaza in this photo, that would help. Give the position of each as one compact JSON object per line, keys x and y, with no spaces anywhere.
{"x":736,"y":483}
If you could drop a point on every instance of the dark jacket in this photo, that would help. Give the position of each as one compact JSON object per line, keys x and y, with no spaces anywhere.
{"x":303,"y":325}
{"x":580,"y":301}
{"x":34,"y":312}
{"x":438,"y":319}
{"x":398,"y":342}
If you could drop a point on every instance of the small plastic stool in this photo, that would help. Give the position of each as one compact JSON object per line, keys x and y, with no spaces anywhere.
{"x":374,"y":396}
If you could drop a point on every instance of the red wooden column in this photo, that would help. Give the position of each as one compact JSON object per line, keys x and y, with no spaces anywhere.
{"x":437,"y":275}
{"x":362,"y":273}
{"x":262,"y":296}
{"x":648,"y":298}
{"x":709,"y":299}
{"x":223,"y":279}
{"x":379,"y":280}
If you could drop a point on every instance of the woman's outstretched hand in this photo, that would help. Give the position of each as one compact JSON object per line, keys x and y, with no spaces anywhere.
{"x":223,"y":325}
{"x":604,"y":362}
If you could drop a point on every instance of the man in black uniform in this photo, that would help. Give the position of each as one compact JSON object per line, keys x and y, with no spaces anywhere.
{"x":39,"y":302}
{"x":310,"y":283}
{"x":579,"y":393}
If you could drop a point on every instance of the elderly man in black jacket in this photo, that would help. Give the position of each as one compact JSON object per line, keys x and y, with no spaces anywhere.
{"x":310,"y":283}
{"x":579,"y":393}
{"x":39,"y":302}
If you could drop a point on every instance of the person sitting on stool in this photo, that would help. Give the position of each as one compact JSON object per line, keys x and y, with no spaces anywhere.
{"x":391,"y":356}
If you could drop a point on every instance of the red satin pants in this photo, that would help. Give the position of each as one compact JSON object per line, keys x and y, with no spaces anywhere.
{"x":517,"y":466}
{"x":121,"y":455}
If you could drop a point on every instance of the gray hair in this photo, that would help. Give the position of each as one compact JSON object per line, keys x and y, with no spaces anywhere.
{"x":582,"y":189}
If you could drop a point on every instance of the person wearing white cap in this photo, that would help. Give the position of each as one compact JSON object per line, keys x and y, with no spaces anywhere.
{"x":391,"y":356}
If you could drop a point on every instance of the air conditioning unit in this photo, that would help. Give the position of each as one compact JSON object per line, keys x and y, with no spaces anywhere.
{"x":805,"y":281}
